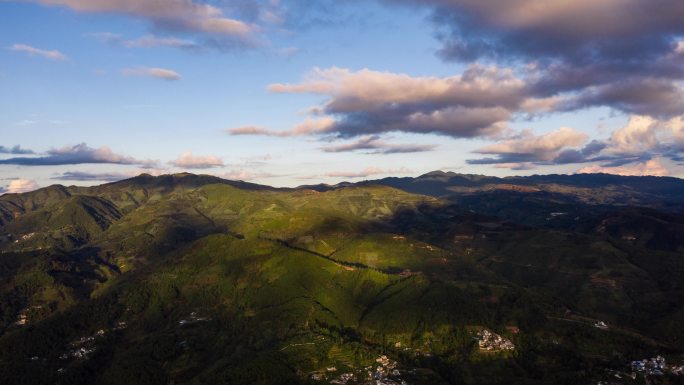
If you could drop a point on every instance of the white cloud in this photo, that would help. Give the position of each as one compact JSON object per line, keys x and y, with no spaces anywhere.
{"x":52,"y":55}
{"x":544,"y":147}
{"x":187,"y":160}
{"x":652,"y":167}
{"x":640,"y":134}
{"x":21,"y":185}
{"x":153,"y":72}
{"x":184,"y":15}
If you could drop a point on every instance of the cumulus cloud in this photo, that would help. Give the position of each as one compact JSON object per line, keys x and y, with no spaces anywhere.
{"x":52,"y":55}
{"x":640,"y":134}
{"x":179,"y":15}
{"x":78,"y":154}
{"x":634,"y":149}
{"x":15,"y":150}
{"x":652,"y":167}
{"x":373,"y":144}
{"x":188,"y":160}
{"x":528,"y":147}
{"x":479,"y":102}
{"x":152,"y":72}
{"x":20,"y":185}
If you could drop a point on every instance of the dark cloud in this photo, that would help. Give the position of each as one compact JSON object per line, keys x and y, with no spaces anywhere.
{"x":87,"y":176}
{"x":78,"y":154}
{"x":660,"y":98}
{"x":627,"y":55}
{"x":577,"y":31}
{"x":15,"y":150}
{"x":583,"y":155}
{"x":529,"y":148}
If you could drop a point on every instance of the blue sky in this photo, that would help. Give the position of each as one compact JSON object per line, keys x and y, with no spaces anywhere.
{"x":104,"y":90}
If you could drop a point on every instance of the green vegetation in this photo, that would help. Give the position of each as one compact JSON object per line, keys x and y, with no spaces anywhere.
{"x":193,"y":279}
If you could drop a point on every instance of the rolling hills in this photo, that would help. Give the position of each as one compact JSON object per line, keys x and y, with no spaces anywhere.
{"x":192,"y":279}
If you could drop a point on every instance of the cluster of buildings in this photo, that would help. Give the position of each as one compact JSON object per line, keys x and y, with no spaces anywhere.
{"x":84,"y":347}
{"x":22,"y":317}
{"x":655,"y":366}
{"x":492,"y":342}
{"x":24,"y":237}
{"x":343,"y":379}
{"x":385,"y":373}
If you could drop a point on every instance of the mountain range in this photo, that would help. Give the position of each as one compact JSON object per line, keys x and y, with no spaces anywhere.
{"x":441,"y":279}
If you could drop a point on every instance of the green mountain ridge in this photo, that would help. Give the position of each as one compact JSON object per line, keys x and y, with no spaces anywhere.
{"x":194,"y":279}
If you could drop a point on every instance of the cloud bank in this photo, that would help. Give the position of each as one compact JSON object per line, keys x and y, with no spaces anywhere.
{"x":78,"y":154}
{"x":15,"y":150}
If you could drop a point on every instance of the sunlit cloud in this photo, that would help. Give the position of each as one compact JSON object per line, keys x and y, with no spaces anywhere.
{"x":152,"y":72}
{"x":48,"y":54}
{"x":188,"y":160}
{"x":20,"y":186}
{"x":653,"y":167}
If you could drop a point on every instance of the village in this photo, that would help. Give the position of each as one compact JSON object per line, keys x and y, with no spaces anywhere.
{"x":492,"y":342}
{"x":83,"y":348}
{"x":386,"y":372}
{"x":644,"y":368}
{"x":656,"y":366}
